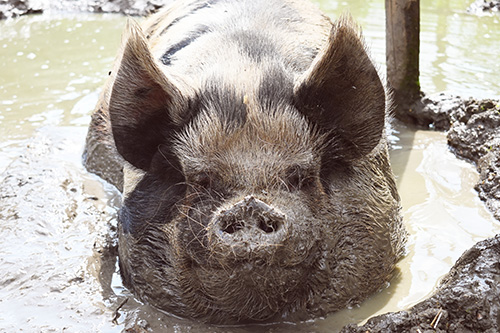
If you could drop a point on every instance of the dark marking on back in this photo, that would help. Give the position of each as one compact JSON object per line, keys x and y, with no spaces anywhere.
{"x":203,"y":4}
{"x":166,"y":59}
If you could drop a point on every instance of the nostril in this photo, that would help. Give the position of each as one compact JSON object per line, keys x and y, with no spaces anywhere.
{"x":231,"y":224}
{"x":250,"y":217}
{"x":268,"y":225}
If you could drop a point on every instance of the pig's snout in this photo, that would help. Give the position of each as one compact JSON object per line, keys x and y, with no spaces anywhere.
{"x":250,"y":215}
{"x":248,"y":229}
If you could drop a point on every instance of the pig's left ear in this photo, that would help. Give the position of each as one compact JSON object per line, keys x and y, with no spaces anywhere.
{"x":342,"y":94}
{"x":142,"y":102}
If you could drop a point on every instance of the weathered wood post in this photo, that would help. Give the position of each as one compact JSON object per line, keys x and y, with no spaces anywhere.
{"x":402,"y":53}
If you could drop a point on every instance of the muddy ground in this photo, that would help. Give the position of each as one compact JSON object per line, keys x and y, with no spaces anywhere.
{"x":467,"y":299}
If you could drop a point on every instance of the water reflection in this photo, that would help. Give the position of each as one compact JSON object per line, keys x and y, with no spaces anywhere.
{"x":459,"y":51}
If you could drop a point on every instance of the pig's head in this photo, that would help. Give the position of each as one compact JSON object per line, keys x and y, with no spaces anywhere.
{"x":243,"y":208}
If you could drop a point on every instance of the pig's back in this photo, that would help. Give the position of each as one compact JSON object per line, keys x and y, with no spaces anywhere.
{"x":198,"y":41}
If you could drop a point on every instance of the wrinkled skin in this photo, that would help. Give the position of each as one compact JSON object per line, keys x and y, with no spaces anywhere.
{"x":256,"y":174}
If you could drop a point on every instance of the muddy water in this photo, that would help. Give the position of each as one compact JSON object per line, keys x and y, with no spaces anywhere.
{"x":56,"y":220}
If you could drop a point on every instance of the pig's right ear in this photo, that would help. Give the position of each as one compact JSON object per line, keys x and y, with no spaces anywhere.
{"x":342,"y":94}
{"x":141,"y":103}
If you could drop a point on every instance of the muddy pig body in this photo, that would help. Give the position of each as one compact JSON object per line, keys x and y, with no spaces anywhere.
{"x":256,"y":174}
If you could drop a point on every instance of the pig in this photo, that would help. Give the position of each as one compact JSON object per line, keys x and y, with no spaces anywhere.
{"x":248,"y":138}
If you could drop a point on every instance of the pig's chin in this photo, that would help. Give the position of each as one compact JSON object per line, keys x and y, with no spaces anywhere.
{"x":249,"y":291}
{"x":242,"y":282}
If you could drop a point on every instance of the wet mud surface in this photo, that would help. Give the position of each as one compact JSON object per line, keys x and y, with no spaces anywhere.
{"x":51,"y":268}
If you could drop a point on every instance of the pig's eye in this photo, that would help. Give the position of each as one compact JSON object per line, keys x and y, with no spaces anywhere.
{"x":202,"y":179}
{"x":208,"y":183}
{"x":298,"y":179}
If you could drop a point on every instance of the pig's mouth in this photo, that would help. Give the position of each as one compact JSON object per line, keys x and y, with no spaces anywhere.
{"x":249,"y":291}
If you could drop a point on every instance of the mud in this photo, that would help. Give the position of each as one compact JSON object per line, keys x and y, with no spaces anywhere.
{"x":14,"y":8}
{"x":57,"y":227}
{"x":466,"y":301}
{"x":475,"y":135}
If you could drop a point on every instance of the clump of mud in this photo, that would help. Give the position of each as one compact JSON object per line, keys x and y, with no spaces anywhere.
{"x":474,"y":134}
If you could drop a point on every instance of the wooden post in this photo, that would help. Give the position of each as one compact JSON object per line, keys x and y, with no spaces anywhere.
{"x":402,"y":53}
